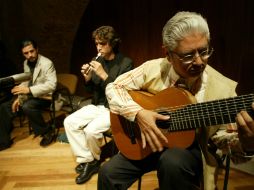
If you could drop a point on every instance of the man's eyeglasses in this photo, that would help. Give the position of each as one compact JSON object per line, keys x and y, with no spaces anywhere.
{"x":188,"y":58}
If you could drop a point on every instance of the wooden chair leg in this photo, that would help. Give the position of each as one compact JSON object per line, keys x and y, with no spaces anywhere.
{"x":225,"y":186}
{"x":110,"y":144}
{"x":30,"y":128}
{"x":22,"y":118}
{"x":52,"y":114}
{"x":139,"y":183}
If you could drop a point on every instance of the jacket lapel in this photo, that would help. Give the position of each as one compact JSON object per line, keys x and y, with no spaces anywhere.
{"x":37,"y":69}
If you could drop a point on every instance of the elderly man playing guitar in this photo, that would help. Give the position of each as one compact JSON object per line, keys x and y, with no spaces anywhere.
{"x":165,"y":111}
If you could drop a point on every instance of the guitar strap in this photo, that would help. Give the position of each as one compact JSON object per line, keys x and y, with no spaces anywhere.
{"x":132,"y":134}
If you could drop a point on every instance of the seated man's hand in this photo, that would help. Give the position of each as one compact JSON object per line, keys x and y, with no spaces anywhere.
{"x":20,"y":90}
{"x":150,"y":133}
{"x":246,"y":130}
{"x":15,"y":106}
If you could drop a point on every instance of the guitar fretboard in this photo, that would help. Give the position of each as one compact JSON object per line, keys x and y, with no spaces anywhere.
{"x":207,"y":113}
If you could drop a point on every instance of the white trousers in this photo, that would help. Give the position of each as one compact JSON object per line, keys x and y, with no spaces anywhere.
{"x":84,"y":129}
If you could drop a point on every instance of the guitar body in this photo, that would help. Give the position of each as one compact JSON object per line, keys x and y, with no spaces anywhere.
{"x":123,"y":130}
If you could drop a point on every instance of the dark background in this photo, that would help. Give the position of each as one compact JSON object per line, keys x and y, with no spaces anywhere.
{"x":63,"y":31}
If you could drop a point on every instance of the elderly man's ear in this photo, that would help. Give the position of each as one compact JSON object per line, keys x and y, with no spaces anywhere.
{"x":166,"y":53}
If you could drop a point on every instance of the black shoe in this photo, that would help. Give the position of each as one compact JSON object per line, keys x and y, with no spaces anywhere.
{"x":80,"y":168}
{"x":47,"y":138}
{"x":4,"y":146}
{"x":89,"y":169}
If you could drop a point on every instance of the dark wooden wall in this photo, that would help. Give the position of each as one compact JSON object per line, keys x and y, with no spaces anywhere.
{"x":139,"y":23}
{"x":52,"y":23}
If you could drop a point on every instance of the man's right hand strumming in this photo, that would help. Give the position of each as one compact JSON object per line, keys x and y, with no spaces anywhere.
{"x":150,"y":133}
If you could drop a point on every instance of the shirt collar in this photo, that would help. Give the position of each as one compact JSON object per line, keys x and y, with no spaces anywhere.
{"x":172,"y":75}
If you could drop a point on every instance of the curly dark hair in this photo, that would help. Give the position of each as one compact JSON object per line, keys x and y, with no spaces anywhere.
{"x":107,"y":34}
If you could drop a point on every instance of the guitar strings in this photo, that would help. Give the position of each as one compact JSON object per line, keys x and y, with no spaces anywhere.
{"x":207,"y":113}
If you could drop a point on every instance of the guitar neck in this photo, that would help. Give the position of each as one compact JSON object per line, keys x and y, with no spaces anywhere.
{"x":206,"y":114}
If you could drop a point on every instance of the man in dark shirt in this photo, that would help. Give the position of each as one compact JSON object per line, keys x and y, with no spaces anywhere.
{"x":85,"y":127}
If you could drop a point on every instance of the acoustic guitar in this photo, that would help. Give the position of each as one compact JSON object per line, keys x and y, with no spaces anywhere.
{"x":186,"y":116}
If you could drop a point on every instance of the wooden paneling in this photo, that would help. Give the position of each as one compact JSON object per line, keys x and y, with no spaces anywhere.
{"x":140,"y":24}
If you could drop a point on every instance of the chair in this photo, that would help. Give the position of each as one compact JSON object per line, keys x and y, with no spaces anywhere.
{"x":108,"y":134}
{"x":211,"y":173}
{"x":226,"y":167}
{"x":110,"y":147}
{"x":66,"y":88}
{"x":223,"y":163}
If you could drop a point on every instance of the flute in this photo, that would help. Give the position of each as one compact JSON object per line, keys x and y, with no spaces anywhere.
{"x":83,"y":72}
{"x":98,"y":55}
